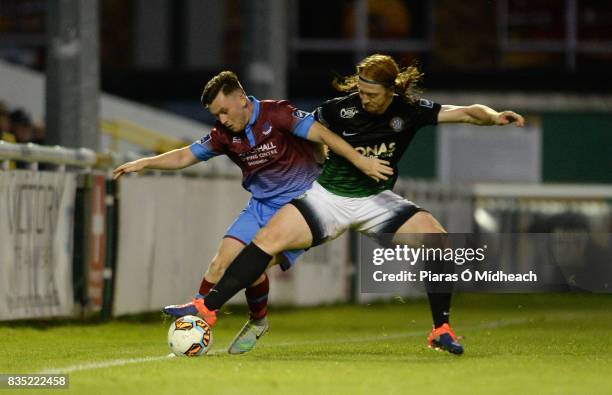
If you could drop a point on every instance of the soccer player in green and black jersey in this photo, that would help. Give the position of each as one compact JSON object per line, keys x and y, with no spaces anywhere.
{"x":385,"y":136}
{"x":379,"y":117}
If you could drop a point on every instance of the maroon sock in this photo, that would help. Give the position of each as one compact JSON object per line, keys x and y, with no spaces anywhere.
{"x":205,"y":287}
{"x":257,"y":299}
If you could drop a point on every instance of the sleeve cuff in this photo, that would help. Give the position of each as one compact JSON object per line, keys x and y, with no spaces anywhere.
{"x":301,"y":128}
{"x":200,"y":151}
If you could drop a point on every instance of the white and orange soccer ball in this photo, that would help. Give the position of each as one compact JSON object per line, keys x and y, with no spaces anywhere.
{"x":189,"y":336}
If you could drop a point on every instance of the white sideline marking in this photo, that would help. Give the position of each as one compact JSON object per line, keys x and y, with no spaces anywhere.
{"x":101,"y":365}
{"x":121,"y":362}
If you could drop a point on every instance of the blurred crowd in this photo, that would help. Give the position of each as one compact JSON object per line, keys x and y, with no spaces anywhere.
{"x":16,"y":126}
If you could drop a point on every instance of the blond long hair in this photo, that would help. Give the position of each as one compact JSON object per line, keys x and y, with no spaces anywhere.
{"x":383,"y":70}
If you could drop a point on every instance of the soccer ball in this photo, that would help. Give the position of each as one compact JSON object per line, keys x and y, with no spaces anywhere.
{"x":189,"y":336}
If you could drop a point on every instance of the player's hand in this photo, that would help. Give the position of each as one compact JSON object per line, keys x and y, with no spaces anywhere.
{"x":375,"y":168}
{"x":130,"y":167}
{"x":508,"y":117}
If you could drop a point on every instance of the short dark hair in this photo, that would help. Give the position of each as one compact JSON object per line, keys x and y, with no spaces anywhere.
{"x":225,"y":81}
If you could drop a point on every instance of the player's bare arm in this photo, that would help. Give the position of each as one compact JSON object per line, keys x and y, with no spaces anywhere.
{"x":374,"y":168}
{"x":171,"y":160}
{"x":478,"y":114}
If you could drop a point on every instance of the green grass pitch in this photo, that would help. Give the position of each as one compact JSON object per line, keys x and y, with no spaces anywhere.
{"x":515,"y":344}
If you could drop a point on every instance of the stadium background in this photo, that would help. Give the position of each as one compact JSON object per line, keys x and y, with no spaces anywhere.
{"x":114,"y":80}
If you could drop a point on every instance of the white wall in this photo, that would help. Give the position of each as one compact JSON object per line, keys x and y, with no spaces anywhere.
{"x":169,"y":230}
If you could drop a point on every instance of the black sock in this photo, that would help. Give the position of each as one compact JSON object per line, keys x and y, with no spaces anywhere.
{"x":440,"y":307}
{"x":242,"y":272}
{"x":439,"y":293}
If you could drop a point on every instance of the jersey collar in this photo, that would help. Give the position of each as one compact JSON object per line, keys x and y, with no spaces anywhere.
{"x":248,"y":131}
{"x":255,"y":111}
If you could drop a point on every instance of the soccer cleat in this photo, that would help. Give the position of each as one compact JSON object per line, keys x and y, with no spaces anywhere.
{"x":443,"y":338}
{"x":246,"y":339}
{"x":180,"y":310}
{"x":195,"y":307}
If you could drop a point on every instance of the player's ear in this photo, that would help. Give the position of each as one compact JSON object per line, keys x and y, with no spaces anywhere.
{"x":243,"y":98}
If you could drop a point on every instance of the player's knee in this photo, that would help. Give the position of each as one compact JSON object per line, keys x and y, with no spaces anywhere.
{"x":424,"y":222}
{"x":432,"y":228}
{"x":434,"y":235}
{"x":421,"y":229}
{"x":269,"y":240}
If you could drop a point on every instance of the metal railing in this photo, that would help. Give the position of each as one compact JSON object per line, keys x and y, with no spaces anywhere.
{"x":34,"y":154}
{"x":87,"y":160}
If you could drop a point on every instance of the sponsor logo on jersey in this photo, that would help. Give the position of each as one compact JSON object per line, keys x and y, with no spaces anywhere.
{"x":265,"y":147}
{"x":236,"y":140}
{"x":260,"y":154}
{"x":396,"y":124}
{"x":300,"y":114}
{"x":348,"y":112}
{"x":379,"y":150}
{"x":267,"y":130}
{"x":347,"y":134}
{"x":426,"y":103}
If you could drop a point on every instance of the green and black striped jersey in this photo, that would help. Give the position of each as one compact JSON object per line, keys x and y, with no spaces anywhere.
{"x":385,"y":136}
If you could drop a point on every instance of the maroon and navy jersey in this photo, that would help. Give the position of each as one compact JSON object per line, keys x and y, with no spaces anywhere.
{"x":276,"y":160}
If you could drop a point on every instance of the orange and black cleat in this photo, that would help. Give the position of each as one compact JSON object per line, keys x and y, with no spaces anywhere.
{"x":195,"y":307}
{"x":443,"y":338}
